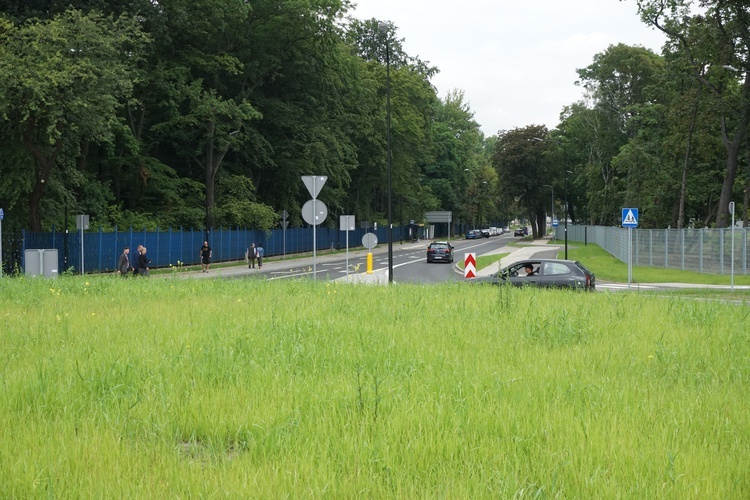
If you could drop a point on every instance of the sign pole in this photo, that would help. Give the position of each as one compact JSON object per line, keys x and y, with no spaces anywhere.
{"x":630,"y":220}
{"x":82,"y":271}
{"x":347,"y":255}
{"x":311,"y":214}
{"x":315,"y":230}
{"x":630,"y":255}
{"x":731,"y":209}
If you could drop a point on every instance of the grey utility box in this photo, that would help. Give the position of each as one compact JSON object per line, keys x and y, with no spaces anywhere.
{"x":41,"y":262}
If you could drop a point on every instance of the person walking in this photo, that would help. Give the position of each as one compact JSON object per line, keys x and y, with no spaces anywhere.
{"x":252,"y":253}
{"x":143,"y":263}
{"x":123,"y":263}
{"x":137,"y":260}
{"x":259,"y":252}
{"x":205,"y":256}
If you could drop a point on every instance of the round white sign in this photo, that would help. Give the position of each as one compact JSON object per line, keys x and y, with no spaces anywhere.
{"x":369,"y":241}
{"x":308,"y":212}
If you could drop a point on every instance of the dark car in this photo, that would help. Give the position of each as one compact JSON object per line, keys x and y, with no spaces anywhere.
{"x":440,"y":250}
{"x":473,"y":234}
{"x":550,"y":273}
{"x":519,"y":232}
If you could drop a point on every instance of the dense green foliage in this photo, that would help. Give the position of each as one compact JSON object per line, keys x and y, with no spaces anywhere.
{"x":664,"y":133}
{"x":174,"y":113}
{"x":182,"y":113}
{"x":441,"y":391}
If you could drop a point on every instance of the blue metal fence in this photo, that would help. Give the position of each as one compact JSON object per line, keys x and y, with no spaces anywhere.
{"x":101,"y":249}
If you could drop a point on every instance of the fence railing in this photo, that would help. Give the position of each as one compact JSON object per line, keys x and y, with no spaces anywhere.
{"x":101,"y":249}
{"x":700,"y":250}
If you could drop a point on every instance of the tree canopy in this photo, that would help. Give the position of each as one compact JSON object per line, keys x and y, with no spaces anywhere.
{"x":187,"y":113}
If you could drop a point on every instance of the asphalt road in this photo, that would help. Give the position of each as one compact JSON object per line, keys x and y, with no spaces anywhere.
{"x":409,"y":263}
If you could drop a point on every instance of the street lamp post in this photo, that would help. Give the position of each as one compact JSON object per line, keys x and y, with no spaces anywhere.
{"x":567,"y":212}
{"x":383,"y":27}
{"x":567,"y":207}
{"x":552,"y":213}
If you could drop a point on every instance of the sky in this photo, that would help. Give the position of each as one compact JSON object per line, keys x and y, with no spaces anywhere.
{"x":515,"y":60}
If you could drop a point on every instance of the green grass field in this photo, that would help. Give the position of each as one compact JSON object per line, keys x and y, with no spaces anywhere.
{"x":609,"y":268}
{"x":245,"y":388}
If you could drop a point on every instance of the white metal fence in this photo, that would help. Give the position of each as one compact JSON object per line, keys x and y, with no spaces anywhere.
{"x":701,"y":250}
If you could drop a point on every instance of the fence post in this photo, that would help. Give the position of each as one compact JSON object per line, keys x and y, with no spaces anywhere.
{"x":721,"y":251}
{"x":744,"y":250}
{"x":700,"y":249}
{"x":651,"y":248}
{"x":169,"y":245}
{"x":101,"y":237}
{"x":682,"y":233}
{"x":666,"y":249}
{"x":637,"y":245}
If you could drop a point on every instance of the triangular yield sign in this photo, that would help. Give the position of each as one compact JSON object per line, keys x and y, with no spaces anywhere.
{"x":314,"y":183}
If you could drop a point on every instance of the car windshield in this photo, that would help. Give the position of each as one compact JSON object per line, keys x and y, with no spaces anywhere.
{"x":439,"y":245}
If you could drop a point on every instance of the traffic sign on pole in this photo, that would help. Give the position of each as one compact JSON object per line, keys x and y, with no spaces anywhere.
{"x":314,"y":212}
{"x":470,"y":265}
{"x":314,"y":183}
{"x":630,"y":220}
{"x":629,"y":217}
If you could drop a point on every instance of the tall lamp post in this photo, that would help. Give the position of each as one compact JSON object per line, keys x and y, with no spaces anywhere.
{"x":567,"y":207}
{"x":552,"y":213}
{"x":567,"y":212}
{"x":383,"y":27}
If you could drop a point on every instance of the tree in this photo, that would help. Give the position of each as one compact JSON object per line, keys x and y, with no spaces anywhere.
{"x":522,"y":172}
{"x":717,"y":44}
{"x":62,"y":82}
{"x":457,"y":148}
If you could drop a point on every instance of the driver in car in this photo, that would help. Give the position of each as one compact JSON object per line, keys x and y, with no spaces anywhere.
{"x":529,"y":270}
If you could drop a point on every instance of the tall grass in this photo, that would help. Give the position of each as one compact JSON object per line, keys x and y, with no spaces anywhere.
{"x":246,"y":388}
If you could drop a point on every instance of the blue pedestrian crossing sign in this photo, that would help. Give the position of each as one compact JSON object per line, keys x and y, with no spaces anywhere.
{"x":555,"y":222}
{"x":629,"y":217}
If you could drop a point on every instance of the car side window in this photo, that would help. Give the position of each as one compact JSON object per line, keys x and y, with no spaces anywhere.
{"x":555,"y":269}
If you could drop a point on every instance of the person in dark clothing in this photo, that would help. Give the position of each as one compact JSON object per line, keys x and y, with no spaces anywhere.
{"x":252,"y":253}
{"x":205,"y":256}
{"x":123,"y":263}
{"x":137,"y":260}
{"x":143,"y":263}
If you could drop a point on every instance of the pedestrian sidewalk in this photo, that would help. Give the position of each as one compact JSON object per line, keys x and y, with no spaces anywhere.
{"x":516,"y":252}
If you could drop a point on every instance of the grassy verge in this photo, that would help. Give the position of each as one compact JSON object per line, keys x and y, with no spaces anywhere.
{"x":608,"y":268}
{"x":485,"y":260}
{"x":118,"y":388}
